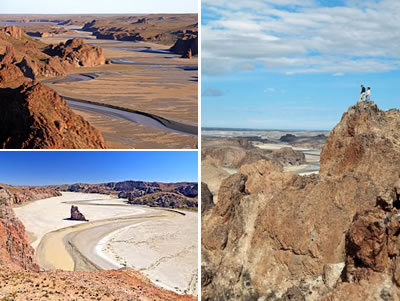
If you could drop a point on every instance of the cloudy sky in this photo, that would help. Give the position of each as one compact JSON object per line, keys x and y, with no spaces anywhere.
{"x":296,"y":64}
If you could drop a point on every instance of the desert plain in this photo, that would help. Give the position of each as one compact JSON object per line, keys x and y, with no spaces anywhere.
{"x":159,"y":243}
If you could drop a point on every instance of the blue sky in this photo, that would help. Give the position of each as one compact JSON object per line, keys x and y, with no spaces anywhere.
{"x":296,"y":64}
{"x":58,"y":167}
{"x":96,"y":6}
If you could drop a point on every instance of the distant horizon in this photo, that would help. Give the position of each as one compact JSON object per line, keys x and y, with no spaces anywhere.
{"x":97,"y":183}
{"x":262,"y":129}
{"x":46,"y":168}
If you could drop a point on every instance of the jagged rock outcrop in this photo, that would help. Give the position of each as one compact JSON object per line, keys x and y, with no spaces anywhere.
{"x":22,"y":194}
{"x":35,"y":58}
{"x":76,"y":215}
{"x":187,"y":46}
{"x":188,"y":190}
{"x":365,"y":142}
{"x":372,"y":267}
{"x":15,"y":250}
{"x":287,"y":156}
{"x":11,"y":32}
{"x":207,"y":202}
{"x":172,"y":195}
{"x":163,"y":199}
{"x":291,"y":227}
{"x":34,"y":116}
{"x":75,"y":53}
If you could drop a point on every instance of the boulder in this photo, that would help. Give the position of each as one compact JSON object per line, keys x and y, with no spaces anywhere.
{"x":76,"y":215}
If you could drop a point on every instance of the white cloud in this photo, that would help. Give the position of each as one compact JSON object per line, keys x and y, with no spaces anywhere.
{"x":363,"y":36}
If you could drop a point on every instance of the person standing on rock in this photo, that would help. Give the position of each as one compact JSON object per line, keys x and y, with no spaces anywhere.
{"x":362,"y":94}
{"x":368,"y":97}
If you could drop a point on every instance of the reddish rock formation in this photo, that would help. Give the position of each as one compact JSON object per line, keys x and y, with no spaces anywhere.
{"x":364,"y":142}
{"x":292,"y":228}
{"x":75,"y":53}
{"x":34,"y":116}
{"x":173,"y":195}
{"x":11,"y":32}
{"x":372,"y":268}
{"x":186,"y":46}
{"x":21,"y":194}
{"x":15,"y":250}
{"x":76,"y":215}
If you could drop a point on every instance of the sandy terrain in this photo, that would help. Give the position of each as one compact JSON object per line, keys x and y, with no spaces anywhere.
{"x":116,"y":235}
{"x":156,"y":83}
{"x":157,"y":247}
{"x":312,"y":157}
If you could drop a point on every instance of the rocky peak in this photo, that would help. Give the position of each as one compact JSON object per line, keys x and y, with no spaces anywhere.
{"x":364,"y":142}
{"x":76,"y":53}
{"x":8,"y":57}
{"x":291,"y":227}
{"x":12,"y":31}
{"x":35,"y":116}
{"x":186,"y":46}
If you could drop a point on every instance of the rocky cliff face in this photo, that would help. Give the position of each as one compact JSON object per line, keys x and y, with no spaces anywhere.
{"x":172,"y":195}
{"x":75,"y":53}
{"x":15,"y":251}
{"x":365,"y":142}
{"x":186,"y":46}
{"x":292,"y":228}
{"x":21,"y":194}
{"x":34,"y":116}
{"x":43,"y":60}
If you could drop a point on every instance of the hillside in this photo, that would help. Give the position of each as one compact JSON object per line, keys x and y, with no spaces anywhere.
{"x":155,"y":194}
{"x":293,"y":228}
{"x":32,"y":115}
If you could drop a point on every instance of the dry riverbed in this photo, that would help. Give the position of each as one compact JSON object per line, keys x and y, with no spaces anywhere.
{"x":162,"y":84}
{"x":159,"y":243}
